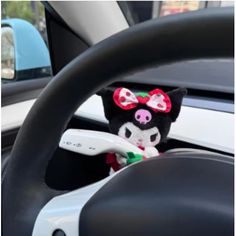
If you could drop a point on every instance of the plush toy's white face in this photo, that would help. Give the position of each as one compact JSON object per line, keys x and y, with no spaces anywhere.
{"x":144,"y":118}
{"x":141,"y":138}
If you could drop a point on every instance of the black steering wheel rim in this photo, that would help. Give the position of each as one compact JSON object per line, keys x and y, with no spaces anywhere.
{"x":202,"y":34}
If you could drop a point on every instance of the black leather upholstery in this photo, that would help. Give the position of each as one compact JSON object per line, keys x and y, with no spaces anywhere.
{"x":201,"y":34}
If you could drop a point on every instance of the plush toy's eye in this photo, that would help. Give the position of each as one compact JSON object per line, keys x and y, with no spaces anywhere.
{"x":127,"y":133}
{"x":153,"y":137}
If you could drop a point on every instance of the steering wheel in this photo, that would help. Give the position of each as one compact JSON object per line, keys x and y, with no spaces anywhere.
{"x":178,"y":194}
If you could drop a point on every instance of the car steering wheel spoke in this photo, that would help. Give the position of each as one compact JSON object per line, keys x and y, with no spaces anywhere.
{"x":63,"y":212}
{"x":149,"y":193}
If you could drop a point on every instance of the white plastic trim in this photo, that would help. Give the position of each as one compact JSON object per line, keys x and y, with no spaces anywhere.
{"x":203,"y":127}
{"x":92,"y":20}
{"x":91,"y":143}
{"x":14,"y":115}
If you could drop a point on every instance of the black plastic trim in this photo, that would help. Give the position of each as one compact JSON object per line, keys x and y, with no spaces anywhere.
{"x":64,"y":44}
{"x":211,"y":100}
{"x":191,"y":92}
{"x":33,"y":73}
{"x":22,"y":90}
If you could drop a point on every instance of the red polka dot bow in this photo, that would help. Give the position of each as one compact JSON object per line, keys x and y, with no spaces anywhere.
{"x":156,"y":99}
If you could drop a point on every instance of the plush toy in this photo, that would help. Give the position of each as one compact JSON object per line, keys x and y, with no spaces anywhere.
{"x":142,"y":118}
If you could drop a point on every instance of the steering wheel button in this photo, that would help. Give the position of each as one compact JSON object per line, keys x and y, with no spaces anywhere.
{"x":77,"y":144}
{"x":58,"y":232}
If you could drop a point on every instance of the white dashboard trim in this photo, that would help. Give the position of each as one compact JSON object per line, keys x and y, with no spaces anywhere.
{"x":194,"y":125}
{"x":13,"y":115}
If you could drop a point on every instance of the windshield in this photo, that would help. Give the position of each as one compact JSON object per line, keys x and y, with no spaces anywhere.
{"x":139,"y":11}
{"x":209,"y":75}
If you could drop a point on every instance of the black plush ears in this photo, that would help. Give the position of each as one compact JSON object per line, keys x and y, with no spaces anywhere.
{"x":110,"y":109}
{"x":176,"y":97}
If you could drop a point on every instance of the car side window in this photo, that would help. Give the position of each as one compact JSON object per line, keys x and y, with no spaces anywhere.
{"x":25,"y":53}
{"x":7,"y":53}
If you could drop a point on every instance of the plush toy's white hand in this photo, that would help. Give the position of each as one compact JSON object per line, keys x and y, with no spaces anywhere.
{"x":150,"y":152}
{"x":121,"y":160}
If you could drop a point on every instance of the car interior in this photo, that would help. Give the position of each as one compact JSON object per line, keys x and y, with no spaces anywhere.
{"x":105,"y":46}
